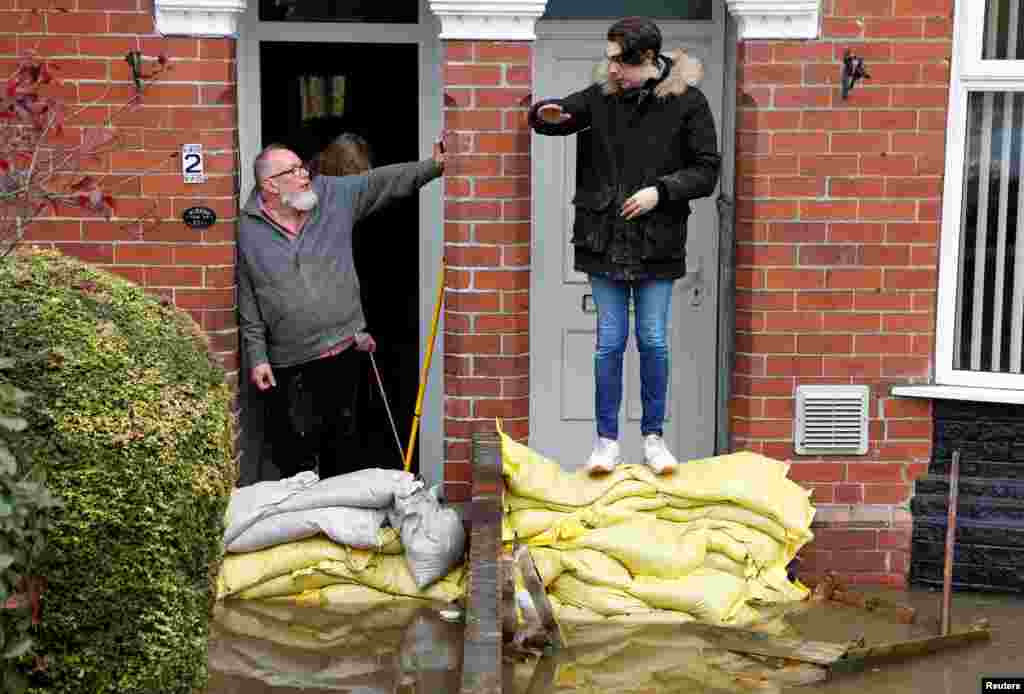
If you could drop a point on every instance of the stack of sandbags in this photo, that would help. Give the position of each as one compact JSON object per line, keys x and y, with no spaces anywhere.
{"x":709,"y":542}
{"x":319,"y":572}
{"x":306,"y":540}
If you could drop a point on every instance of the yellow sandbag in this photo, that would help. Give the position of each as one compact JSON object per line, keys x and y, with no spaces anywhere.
{"x":711,"y":596}
{"x":241,"y":571}
{"x":645,"y":546}
{"x":654,"y":617}
{"x":566,"y":614}
{"x":388,"y":574}
{"x":548,"y":562}
{"x":353,"y":598}
{"x":745,"y":478}
{"x":773,"y":586}
{"x":534,"y":521}
{"x":726,"y":512}
{"x":744,"y":545}
{"x":601,"y":599}
{"x":530,"y":474}
{"x":720,"y":562}
{"x":595,"y":568}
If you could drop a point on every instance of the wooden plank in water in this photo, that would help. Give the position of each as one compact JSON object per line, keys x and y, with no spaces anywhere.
{"x":745,"y":641}
{"x":857,"y":659}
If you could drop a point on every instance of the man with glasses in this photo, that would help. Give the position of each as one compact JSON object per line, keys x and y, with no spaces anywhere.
{"x":299,"y":306}
{"x":647,"y":146}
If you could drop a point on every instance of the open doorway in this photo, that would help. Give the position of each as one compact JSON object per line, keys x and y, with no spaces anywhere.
{"x":312,"y":93}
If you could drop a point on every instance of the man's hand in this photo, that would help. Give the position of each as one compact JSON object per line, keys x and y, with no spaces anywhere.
{"x":262,"y":377}
{"x":552,"y":113}
{"x":440,"y":157}
{"x":365,"y":342}
{"x":641,"y":202}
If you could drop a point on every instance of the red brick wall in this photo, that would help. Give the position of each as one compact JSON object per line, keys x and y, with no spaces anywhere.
{"x":192,"y":103}
{"x":838,"y":225}
{"x":487,"y":244}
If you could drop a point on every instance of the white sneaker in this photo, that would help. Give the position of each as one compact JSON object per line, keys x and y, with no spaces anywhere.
{"x":657,"y":455}
{"x":605,"y":456}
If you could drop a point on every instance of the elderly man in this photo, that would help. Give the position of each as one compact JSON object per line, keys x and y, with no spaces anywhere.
{"x":298,"y":297}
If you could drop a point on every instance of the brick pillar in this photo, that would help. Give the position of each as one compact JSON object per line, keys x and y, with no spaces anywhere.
{"x":487,"y":244}
{"x":838,"y":221}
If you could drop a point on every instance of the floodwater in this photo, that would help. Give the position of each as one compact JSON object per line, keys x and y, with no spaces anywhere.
{"x":401,"y":647}
{"x":659,"y":660}
{"x":406,"y":648}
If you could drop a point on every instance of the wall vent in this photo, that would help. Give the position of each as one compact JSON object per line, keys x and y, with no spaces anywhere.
{"x":831,"y":420}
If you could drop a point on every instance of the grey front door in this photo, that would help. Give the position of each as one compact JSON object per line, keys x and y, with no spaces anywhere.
{"x":562,"y":325}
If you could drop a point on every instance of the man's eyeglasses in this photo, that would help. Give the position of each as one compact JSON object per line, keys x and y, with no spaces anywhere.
{"x":294,"y":170}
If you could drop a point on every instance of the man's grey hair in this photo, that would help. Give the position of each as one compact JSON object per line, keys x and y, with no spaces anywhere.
{"x":261,"y":167}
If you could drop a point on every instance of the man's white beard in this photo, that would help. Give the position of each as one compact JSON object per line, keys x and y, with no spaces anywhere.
{"x":301,"y":200}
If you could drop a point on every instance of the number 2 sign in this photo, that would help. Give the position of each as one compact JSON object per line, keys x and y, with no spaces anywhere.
{"x":192,"y":163}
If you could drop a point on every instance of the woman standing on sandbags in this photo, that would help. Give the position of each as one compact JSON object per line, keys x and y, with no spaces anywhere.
{"x":647,"y":146}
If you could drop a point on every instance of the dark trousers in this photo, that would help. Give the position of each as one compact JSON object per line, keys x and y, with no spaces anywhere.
{"x":313,"y":416}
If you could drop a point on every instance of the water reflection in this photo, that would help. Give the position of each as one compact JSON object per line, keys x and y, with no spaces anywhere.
{"x":260,"y":647}
{"x":667,"y":660}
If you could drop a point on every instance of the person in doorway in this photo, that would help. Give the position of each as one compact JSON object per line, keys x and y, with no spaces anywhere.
{"x":299,"y":305}
{"x":648,"y":146}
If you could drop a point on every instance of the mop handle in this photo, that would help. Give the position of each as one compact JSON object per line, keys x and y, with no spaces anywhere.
{"x":426,"y":369}
{"x":384,"y":397}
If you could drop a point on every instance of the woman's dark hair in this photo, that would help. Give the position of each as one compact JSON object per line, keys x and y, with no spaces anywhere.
{"x":348,"y":154}
{"x":636,"y":36}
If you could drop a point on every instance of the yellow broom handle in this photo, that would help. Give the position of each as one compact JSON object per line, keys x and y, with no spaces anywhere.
{"x":426,"y":369}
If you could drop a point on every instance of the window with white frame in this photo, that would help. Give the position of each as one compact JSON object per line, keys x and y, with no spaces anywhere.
{"x":980,"y":320}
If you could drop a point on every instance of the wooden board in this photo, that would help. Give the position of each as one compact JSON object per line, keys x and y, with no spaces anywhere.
{"x":857,"y":659}
{"x":535,"y":586}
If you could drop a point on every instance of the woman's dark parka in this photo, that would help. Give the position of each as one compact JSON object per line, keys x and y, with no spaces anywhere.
{"x":662,"y":135}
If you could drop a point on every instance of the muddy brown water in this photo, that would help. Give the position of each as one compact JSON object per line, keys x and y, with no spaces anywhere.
{"x":407,"y":648}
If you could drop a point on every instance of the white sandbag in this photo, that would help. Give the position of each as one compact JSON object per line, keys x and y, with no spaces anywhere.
{"x":369,"y":488}
{"x":433,"y":537}
{"x":355,"y":527}
{"x":254,"y":502}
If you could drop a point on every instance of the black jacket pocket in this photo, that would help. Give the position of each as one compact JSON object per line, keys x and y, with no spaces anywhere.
{"x":592,"y":225}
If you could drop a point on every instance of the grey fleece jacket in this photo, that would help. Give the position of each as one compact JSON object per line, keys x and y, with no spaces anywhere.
{"x":299,"y":297}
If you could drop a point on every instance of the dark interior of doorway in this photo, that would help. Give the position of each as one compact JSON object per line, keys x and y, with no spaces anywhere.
{"x":380,"y":102}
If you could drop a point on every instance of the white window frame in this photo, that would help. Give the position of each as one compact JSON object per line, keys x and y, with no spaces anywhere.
{"x":968,"y":73}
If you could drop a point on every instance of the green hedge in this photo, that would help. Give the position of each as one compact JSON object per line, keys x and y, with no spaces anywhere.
{"x":131,"y":419}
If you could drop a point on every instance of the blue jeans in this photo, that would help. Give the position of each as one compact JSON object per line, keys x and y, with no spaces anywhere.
{"x":652,"y":300}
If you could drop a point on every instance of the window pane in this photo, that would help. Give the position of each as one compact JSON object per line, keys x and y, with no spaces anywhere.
{"x":1003,"y":30}
{"x":381,"y":11}
{"x":614,"y":9}
{"x":990,"y":303}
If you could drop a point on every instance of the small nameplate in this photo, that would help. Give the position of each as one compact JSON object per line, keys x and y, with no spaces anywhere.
{"x":199,"y":217}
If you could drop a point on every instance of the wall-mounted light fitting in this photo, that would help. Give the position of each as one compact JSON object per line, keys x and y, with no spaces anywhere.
{"x":853,"y":71}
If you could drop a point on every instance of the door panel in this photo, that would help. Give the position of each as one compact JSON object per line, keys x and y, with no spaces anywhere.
{"x":563,"y":320}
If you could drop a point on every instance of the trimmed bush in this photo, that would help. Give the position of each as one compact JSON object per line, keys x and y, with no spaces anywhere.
{"x":131,"y":418}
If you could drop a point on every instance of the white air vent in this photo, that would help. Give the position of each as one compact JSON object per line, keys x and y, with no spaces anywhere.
{"x":831,"y":420}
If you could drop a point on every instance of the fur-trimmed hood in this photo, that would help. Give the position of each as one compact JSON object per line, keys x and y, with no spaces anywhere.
{"x":686,"y":72}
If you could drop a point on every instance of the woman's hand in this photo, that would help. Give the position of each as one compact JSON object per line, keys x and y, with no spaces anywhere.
{"x":439,"y":154}
{"x":641,"y":202}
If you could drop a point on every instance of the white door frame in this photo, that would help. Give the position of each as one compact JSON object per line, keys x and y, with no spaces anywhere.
{"x":425,"y":34}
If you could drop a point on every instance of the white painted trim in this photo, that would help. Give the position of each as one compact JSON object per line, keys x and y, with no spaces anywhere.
{"x":776,"y":19}
{"x":431,"y":228}
{"x":492,"y":20}
{"x":942,"y":392}
{"x":198,"y":17}
{"x":967,"y":73}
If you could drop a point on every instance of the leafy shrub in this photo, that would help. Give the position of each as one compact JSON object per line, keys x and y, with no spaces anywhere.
{"x":26,"y":509}
{"x":131,"y":421}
